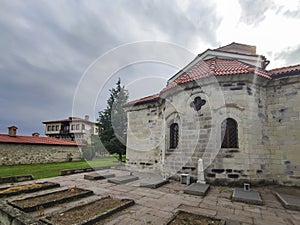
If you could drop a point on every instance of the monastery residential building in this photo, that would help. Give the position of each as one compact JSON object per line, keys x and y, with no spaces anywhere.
{"x":226,"y":108}
{"x":72,"y":128}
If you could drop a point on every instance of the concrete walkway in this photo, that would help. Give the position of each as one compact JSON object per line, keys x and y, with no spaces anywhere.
{"x":156,"y":206}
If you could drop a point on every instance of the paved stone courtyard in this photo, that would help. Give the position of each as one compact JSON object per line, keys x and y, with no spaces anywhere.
{"x":156,"y":206}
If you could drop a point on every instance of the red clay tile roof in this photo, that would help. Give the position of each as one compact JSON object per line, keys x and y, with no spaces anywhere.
{"x":203,"y":69}
{"x":216,"y":67}
{"x":4,"y":138}
{"x":142,"y":100}
{"x":284,"y":70}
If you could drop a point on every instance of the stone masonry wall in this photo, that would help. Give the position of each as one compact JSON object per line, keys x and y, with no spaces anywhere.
{"x":283,"y":129}
{"x":144,"y":138}
{"x":268,"y":118}
{"x":245,"y":103}
{"x":11,"y":154}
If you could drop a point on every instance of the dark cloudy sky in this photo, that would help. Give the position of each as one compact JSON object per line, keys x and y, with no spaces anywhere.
{"x":46,"y":47}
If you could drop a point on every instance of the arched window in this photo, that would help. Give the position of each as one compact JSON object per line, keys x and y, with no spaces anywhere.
{"x":174,"y":135}
{"x":229,"y":133}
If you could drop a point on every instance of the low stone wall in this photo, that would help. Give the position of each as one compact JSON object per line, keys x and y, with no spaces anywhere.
{"x":12,"y":154}
{"x":12,"y":216}
{"x":13,"y":179}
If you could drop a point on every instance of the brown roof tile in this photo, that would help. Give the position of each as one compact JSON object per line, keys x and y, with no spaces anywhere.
{"x":216,"y":67}
{"x":284,"y":70}
{"x":203,"y":69}
{"x":142,"y":100}
{"x":4,"y":138}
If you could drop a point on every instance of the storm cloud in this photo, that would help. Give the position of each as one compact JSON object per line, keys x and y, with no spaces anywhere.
{"x":47,"y":46}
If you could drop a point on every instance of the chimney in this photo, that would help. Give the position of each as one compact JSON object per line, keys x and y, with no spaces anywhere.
{"x":35,"y":134}
{"x":12,"y":131}
{"x":87,"y":117}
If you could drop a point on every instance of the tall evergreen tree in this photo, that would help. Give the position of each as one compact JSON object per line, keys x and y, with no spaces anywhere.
{"x":113,"y":121}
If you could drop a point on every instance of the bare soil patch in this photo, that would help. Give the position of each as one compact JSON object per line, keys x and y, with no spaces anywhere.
{"x":26,"y":188}
{"x":89,"y":213}
{"x":187,"y":218}
{"x":47,"y":200}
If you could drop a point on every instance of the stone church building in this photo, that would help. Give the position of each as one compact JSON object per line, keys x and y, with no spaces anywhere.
{"x":226,"y":108}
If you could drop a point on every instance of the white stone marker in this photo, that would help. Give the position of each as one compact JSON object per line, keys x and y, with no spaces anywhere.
{"x":200,"y":175}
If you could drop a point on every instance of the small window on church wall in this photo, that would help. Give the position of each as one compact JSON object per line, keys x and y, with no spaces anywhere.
{"x":174,"y":135}
{"x":229,"y":133}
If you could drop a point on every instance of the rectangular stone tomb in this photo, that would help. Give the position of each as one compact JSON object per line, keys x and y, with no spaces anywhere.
{"x":39,"y":202}
{"x":89,"y":213}
{"x":289,"y":201}
{"x":98,"y":176}
{"x":250,"y":196}
{"x":123,"y":179}
{"x":153,"y":182}
{"x":13,"y":179}
{"x":74,"y":171}
{"x":26,"y":188}
{"x":182,"y":217}
{"x":197,"y":189}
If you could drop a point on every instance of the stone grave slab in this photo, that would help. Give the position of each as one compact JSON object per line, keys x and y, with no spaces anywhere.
{"x":250,"y":196}
{"x":197,"y":189}
{"x":98,"y":176}
{"x":123,"y":179}
{"x":154,"y":182}
{"x":289,"y":201}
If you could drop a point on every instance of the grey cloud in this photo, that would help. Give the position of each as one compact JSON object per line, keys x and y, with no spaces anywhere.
{"x":253,"y":12}
{"x":47,"y":45}
{"x":290,"y":55}
{"x":200,"y":20}
{"x":292,"y":13}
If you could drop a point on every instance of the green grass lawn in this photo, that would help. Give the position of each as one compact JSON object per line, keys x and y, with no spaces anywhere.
{"x":52,"y":169}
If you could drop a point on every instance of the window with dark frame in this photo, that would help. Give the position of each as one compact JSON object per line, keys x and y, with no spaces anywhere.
{"x":229,"y":133}
{"x":174,"y":135}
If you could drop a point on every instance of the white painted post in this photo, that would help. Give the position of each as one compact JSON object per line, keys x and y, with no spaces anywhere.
{"x":200,"y":176}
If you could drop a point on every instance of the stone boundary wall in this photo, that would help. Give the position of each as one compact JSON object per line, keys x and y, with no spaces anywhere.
{"x":12,"y":154}
{"x":12,"y":216}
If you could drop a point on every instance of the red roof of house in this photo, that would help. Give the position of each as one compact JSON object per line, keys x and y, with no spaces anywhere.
{"x":216,"y":67}
{"x":203,"y":69}
{"x":4,"y":138}
{"x":142,"y":100}
{"x":283,"y":70}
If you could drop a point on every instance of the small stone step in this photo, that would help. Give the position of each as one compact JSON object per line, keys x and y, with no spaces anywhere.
{"x":97,"y":176}
{"x":123,"y":179}
{"x":197,"y":189}
{"x":289,"y":201}
{"x":250,"y":196}
{"x":153,"y":182}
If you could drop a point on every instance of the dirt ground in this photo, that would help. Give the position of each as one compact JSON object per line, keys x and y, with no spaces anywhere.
{"x":85,"y":212}
{"x":34,"y":201}
{"x":192,"y":219}
{"x":23,"y":187}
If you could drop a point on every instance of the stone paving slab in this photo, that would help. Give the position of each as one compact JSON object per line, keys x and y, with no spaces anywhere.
{"x":197,"y":189}
{"x":251,"y":196}
{"x":289,"y":201}
{"x":156,"y":206}
{"x":98,"y":176}
{"x":153,"y":182}
{"x":123,"y":179}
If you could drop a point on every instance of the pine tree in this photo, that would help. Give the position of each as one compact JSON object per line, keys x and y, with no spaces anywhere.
{"x":113,"y":121}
